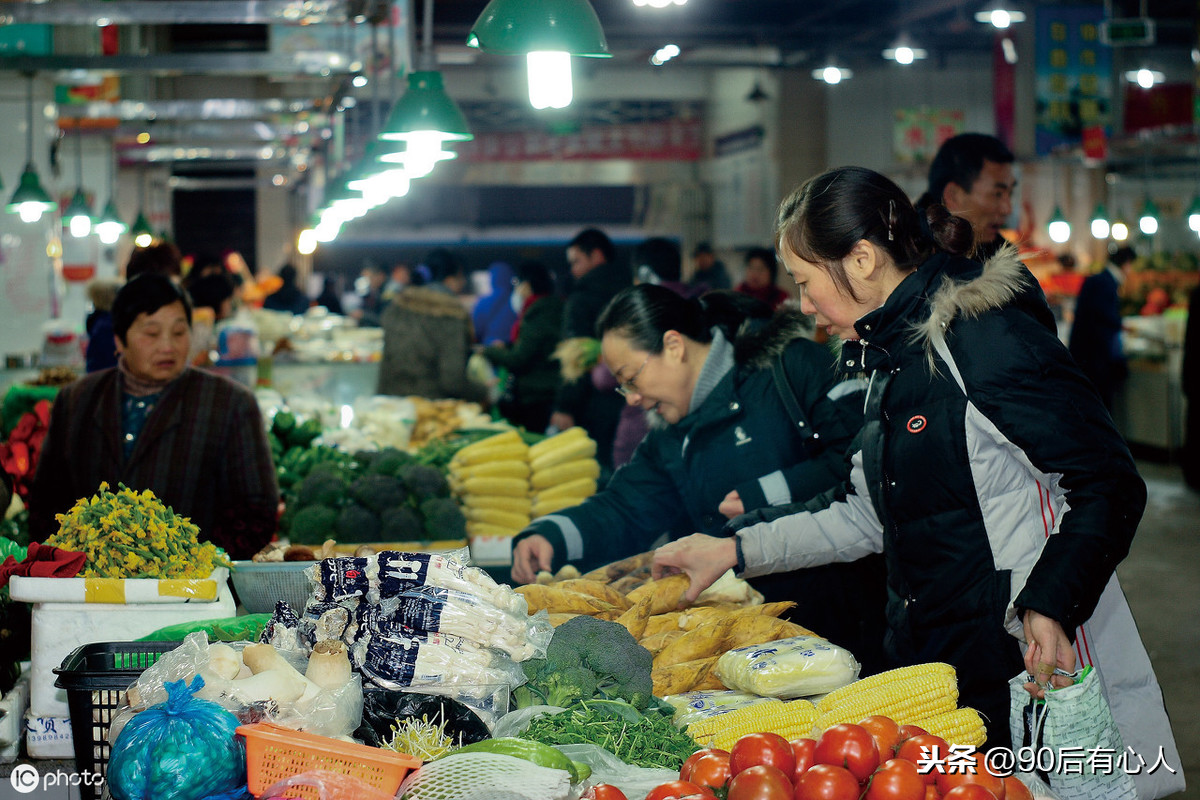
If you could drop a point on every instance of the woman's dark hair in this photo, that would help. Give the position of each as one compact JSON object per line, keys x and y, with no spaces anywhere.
{"x":441,"y":264}
{"x":212,"y":290}
{"x":537,"y":275}
{"x":590,"y":240}
{"x":163,"y":258}
{"x":767,"y":256}
{"x":643,"y":313}
{"x":146,"y":294}
{"x":822,"y":221}
{"x":660,"y":257}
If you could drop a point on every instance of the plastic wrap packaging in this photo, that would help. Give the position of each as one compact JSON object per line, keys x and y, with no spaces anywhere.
{"x":297,"y":702}
{"x":438,"y":610}
{"x":328,"y":786}
{"x":460,"y":774}
{"x":182,"y":749}
{"x":801,"y":666}
{"x":694,"y":706}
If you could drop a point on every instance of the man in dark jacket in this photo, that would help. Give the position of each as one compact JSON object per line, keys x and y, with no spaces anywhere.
{"x":597,"y":281}
{"x":1095,"y":340}
{"x":972,"y":176}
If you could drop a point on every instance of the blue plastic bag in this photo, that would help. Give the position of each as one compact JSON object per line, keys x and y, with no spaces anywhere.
{"x":181,"y":749}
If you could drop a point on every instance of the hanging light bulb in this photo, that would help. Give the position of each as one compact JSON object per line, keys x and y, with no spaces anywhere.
{"x":79,"y":212}
{"x":108,"y":225}
{"x":306,"y":242}
{"x":1148,"y":224}
{"x":1100,"y":226}
{"x":424,"y":118}
{"x":143,"y":234}
{"x":30,"y":200}
{"x":549,"y":32}
{"x":1059,"y":229}
{"x":1120,"y":231}
{"x":1194,"y":214}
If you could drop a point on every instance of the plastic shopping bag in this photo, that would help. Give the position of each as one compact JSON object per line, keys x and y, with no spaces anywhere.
{"x":1069,"y":741}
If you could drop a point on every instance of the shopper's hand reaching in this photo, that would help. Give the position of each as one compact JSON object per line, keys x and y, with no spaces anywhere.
{"x":1049,"y":649}
{"x":732,"y":506}
{"x":704,"y":558}
{"x":531,"y":554}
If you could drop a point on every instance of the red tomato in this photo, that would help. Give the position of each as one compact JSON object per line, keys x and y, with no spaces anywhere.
{"x":1015,"y":790}
{"x":762,"y":748}
{"x":923,"y":749}
{"x":979,"y":776}
{"x":678,"y":790}
{"x":760,"y":782}
{"x":711,"y":769}
{"x":897,"y":779}
{"x":685,"y":772}
{"x":886,"y":734}
{"x":849,"y":746}
{"x":931,"y":792}
{"x":909,"y":731}
{"x":605,"y":791}
{"x":803,"y":750}
{"x":826,"y":782}
{"x":970,"y":791}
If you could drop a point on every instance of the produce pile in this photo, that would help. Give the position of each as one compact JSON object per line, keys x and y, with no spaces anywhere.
{"x":503,"y":483}
{"x":437,"y":419}
{"x":131,"y":534}
{"x":19,"y":455}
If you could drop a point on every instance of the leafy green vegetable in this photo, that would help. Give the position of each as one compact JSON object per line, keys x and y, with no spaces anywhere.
{"x":588,"y":657}
{"x":644,"y":740}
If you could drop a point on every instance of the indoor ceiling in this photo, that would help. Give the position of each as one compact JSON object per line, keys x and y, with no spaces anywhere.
{"x":277,"y":106}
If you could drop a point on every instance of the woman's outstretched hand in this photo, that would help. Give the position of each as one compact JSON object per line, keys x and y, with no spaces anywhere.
{"x":703,"y":558}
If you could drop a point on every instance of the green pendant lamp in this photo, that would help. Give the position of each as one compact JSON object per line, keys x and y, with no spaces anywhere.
{"x":425,"y":118}
{"x":78,"y":215}
{"x":30,"y":200}
{"x":109,"y":226}
{"x":1100,"y":226}
{"x":1058,"y":227}
{"x":143,"y":234}
{"x":1193,"y":214}
{"x":1148,"y":223}
{"x":547,"y":33}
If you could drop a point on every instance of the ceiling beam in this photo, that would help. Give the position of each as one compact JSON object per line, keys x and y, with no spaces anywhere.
{"x":323,"y":63}
{"x":176,"y":12}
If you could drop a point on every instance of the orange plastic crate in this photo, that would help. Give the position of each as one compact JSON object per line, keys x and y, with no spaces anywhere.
{"x":274,"y":753}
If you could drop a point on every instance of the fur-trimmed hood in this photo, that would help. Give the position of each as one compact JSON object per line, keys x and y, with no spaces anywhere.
{"x":431,"y":302}
{"x":758,"y":342}
{"x":1001,"y":281}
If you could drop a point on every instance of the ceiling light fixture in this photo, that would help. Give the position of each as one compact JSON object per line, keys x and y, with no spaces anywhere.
{"x":548,"y":32}
{"x":1148,"y":223}
{"x":832,"y":75}
{"x":659,"y":3}
{"x":664,"y":54}
{"x":904,"y":54}
{"x":30,"y":200}
{"x":109,"y":226}
{"x":1145,"y":78}
{"x":79,"y":212}
{"x":1120,"y":230}
{"x":1000,"y":17}
{"x":143,"y":234}
{"x":1059,"y":229}
{"x":1193,"y":214}
{"x":1100,"y":226}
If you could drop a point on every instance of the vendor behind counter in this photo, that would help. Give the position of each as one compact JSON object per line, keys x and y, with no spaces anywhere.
{"x":195,"y":439}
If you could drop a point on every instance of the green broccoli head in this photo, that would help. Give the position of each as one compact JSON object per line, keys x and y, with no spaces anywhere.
{"x":443,"y":519}
{"x":620,"y":664}
{"x":312,"y":525}
{"x":400,"y":524}
{"x":424,"y":481}
{"x":357,"y":524}
{"x":378,"y":492}
{"x":389,"y":461}
{"x":321,"y":488}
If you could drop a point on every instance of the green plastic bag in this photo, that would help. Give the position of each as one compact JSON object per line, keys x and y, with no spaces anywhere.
{"x":21,"y":398}
{"x":246,"y":628}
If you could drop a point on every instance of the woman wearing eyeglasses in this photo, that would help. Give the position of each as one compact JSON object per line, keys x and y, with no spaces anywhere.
{"x":722,"y":441}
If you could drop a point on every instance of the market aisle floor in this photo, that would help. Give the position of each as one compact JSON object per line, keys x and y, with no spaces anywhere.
{"x":1161,"y":578}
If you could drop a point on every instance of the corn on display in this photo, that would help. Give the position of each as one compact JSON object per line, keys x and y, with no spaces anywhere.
{"x":961,"y":726}
{"x":133,"y":535}
{"x":907,"y":694}
{"x":790,"y":720}
{"x":563,"y":471}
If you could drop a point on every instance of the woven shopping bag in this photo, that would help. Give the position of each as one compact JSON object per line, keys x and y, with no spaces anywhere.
{"x":1070,"y":741}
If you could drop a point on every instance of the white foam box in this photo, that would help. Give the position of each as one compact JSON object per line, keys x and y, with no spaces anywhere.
{"x":13,"y":706}
{"x":491,"y":551}
{"x":48,"y":737}
{"x":59,"y":628}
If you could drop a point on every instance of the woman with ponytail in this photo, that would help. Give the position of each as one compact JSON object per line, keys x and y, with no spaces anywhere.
{"x":721,"y":441}
{"x":988,"y":471}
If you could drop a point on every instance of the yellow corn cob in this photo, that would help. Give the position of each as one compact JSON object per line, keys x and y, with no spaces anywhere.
{"x":506,"y":487}
{"x":790,"y":720}
{"x":570,"y":471}
{"x":484,"y":529}
{"x":515,"y":505}
{"x":492,"y":516}
{"x":508,"y":437}
{"x":580,"y":488}
{"x":558,"y":440}
{"x":906,"y":695}
{"x":961,"y":726}
{"x":543,"y":507}
{"x":518,"y":451}
{"x":571,"y":451}
{"x":512,"y":468}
